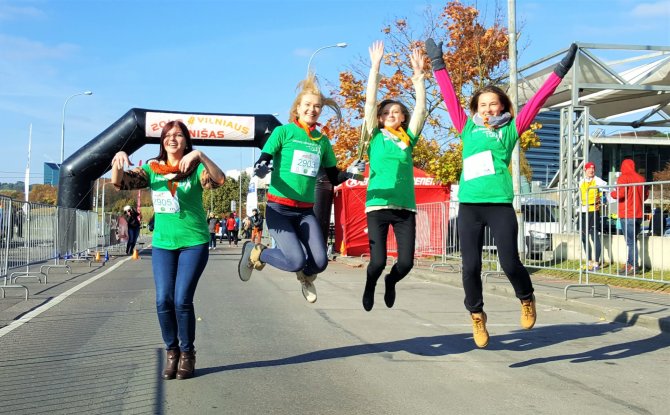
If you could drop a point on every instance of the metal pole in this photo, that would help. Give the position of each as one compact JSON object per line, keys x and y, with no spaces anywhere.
{"x":62,"y":124}
{"x":338,"y":45}
{"x":516,"y":160}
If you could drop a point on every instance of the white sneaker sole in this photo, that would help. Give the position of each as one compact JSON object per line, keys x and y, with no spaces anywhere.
{"x":243,"y":268}
{"x":310,"y":295}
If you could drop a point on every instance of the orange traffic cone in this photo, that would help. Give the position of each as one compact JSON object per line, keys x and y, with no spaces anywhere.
{"x":97,"y":256}
{"x":136,"y":254}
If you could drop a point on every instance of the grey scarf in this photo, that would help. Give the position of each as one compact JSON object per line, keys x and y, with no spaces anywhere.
{"x":495,"y":121}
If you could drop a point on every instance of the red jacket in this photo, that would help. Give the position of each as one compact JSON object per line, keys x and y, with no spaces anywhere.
{"x":230,"y":224}
{"x":630,"y":198}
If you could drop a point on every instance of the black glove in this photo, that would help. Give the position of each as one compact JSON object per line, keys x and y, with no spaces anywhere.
{"x":434,"y":52}
{"x":262,"y":169}
{"x":564,"y":66}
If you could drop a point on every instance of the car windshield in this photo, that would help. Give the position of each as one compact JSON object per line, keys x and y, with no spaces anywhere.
{"x":540,"y":213}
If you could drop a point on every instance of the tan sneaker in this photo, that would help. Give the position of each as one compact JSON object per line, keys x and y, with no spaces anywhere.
{"x":255,"y":257}
{"x":479,"y":333}
{"x":308,"y":288}
{"x":528,"y":314}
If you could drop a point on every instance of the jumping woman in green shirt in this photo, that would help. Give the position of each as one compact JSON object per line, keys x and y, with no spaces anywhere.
{"x":297,"y":150}
{"x":390,"y":199}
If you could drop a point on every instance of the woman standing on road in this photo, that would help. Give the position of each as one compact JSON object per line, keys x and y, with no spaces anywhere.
{"x":298,"y":150}
{"x":133,"y":221}
{"x":485,"y":188}
{"x":180,"y":252}
{"x":390,"y":199}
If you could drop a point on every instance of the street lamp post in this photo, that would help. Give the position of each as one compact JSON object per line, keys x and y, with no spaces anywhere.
{"x":62,"y":129}
{"x":338,"y":45}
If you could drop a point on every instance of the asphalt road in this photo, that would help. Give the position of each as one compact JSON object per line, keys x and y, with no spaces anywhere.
{"x":261,"y":348}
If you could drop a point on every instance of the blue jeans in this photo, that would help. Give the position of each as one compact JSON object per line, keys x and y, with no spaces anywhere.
{"x":300,"y":244}
{"x":630,"y":228}
{"x":176,"y":274}
{"x":133,"y":233}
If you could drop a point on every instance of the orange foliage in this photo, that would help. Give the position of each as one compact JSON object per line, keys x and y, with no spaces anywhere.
{"x":475,"y":55}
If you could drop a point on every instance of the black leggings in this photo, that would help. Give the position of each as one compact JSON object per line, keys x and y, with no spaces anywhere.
{"x":501,"y":219}
{"x":404,"y":227}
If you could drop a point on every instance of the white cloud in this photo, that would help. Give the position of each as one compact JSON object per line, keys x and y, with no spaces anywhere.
{"x":659,"y":9}
{"x":22,"y":49}
{"x":10,"y":12}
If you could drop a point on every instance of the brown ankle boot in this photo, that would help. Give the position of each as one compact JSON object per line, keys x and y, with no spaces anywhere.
{"x":171,"y":364}
{"x":186,"y":365}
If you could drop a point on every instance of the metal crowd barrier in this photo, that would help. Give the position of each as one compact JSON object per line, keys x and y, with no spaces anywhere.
{"x":36,"y":235}
{"x":556,"y":243}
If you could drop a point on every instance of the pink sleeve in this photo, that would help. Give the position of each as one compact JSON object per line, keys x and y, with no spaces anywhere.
{"x":534,"y":105}
{"x":458,"y":116}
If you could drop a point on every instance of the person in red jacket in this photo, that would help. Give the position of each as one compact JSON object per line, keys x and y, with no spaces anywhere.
{"x":630,"y":199}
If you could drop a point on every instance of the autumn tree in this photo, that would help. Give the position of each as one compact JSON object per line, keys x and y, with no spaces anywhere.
{"x":43,"y":193}
{"x":475,"y":55}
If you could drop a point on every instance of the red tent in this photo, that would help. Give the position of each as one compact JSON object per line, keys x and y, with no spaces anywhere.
{"x":351,"y":223}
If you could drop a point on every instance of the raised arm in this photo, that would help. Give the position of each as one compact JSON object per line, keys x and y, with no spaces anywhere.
{"x":419,"y":113}
{"x":534,"y":105}
{"x":456,"y":112}
{"x":127,"y":180}
{"x":376,"y":55}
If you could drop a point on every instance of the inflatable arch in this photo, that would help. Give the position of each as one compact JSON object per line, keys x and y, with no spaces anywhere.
{"x":142,"y":126}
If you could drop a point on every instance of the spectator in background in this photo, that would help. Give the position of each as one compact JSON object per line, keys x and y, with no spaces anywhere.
{"x":257,"y":226}
{"x":630,"y":198}
{"x":591,"y":200}
{"x":211,"y":224}
{"x":133,"y":221}
{"x":231,"y":226}
{"x":222,"y":225}
{"x":246,"y":227}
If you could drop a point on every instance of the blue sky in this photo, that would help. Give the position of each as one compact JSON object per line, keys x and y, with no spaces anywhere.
{"x":239,"y":56}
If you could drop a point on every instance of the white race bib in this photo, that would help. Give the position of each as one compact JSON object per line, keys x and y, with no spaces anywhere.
{"x":478,"y":165}
{"x":164,"y":202}
{"x":304,"y":163}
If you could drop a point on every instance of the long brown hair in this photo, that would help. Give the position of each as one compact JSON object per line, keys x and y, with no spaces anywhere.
{"x":403,"y":108}
{"x":162,"y":154}
{"x":502,"y":96}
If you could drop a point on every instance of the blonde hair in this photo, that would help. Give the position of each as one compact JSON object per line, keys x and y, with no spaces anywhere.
{"x":310,"y":86}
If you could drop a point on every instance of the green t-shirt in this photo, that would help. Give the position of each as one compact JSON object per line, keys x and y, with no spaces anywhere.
{"x":391,"y":180}
{"x":186,"y":227}
{"x":296,"y":161}
{"x":477,"y":184}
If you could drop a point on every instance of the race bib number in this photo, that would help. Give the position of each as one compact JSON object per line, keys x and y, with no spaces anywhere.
{"x":164,"y":202}
{"x":478,"y":165}
{"x":304,"y":163}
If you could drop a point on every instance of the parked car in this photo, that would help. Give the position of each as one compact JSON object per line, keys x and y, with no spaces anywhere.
{"x":540,"y":222}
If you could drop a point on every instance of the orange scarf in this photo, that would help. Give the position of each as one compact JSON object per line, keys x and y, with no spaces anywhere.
{"x":400,"y":134}
{"x":308,"y":130}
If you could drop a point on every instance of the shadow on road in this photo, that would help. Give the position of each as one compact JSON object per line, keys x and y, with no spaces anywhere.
{"x":517,"y":341}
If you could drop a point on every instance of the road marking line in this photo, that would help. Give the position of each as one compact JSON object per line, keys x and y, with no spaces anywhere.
{"x":36,"y":312}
